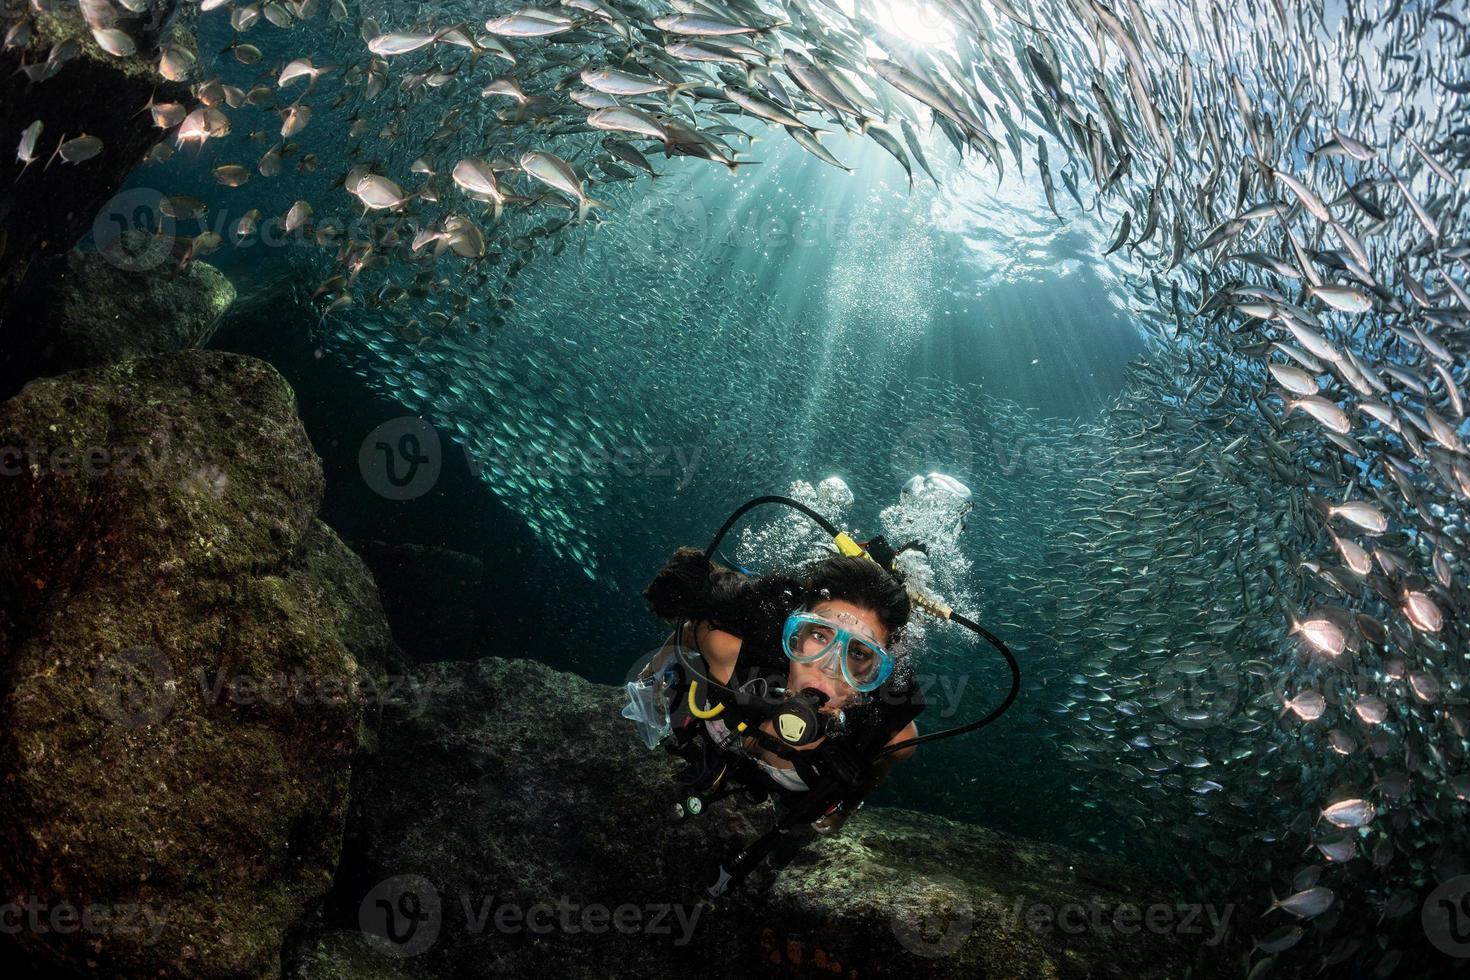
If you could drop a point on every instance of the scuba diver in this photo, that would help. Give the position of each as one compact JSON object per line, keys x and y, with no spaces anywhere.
{"x":826,"y":635}
{"x":794,"y":685}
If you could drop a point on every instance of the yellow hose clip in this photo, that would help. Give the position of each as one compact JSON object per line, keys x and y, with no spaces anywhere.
{"x":852,"y":549}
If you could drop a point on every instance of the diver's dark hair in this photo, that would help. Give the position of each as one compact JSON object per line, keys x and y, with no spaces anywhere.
{"x":690,"y":586}
{"x":861,"y":582}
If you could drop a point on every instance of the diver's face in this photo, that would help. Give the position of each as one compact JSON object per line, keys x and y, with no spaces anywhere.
{"x":826,"y":676}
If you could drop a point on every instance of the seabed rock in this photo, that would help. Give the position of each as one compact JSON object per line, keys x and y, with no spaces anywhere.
{"x":190,"y":664}
{"x":508,"y":797}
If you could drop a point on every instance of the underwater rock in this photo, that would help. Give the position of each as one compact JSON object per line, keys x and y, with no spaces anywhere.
{"x":188,"y":667}
{"x":89,"y":308}
{"x":431,"y":596}
{"x":46,"y":210}
{"x":512,"y":825}
{"x":350,"y":955}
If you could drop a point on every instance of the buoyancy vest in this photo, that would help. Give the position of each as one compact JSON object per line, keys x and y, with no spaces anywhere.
{"x":845,"y":754}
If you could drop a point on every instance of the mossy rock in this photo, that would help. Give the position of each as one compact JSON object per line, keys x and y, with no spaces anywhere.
{"x":508,"y":785}
{"x":348,"y":955}
{"x":187,"y":667}
{"x":131,"y":301}
{"x":175,"y":467}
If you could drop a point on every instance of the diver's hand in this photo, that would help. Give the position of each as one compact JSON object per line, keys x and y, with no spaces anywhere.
{"x":682,"y":588}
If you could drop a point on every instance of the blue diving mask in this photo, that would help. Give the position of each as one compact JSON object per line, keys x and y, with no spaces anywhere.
{"x":810,"y":638}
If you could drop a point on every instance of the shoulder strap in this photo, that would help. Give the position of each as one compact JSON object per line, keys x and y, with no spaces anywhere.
{"x":893,"y":706}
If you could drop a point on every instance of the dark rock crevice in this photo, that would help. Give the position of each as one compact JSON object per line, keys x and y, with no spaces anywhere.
{"x":47,"y":210}
{"x":88,"y":308}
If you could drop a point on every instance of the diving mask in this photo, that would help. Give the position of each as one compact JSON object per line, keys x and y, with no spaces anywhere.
{"x":811,"y":638}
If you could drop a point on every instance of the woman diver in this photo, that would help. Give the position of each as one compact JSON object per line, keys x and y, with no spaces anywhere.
{"x":788,"y":684}
{"x":793,"y":683}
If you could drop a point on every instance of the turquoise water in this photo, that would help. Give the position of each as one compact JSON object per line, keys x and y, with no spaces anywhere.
{"x":1150,"y":518}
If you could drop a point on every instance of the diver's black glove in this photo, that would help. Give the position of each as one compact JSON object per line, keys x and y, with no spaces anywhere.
{"x":881,"y":551}
{"x":755,"y":609}
{"x":683,"y":588}
{"x":691,"y":587}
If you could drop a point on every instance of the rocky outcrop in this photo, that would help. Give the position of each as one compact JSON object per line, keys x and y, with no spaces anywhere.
{"x":352,"y":955}
{"x":62,"y":78}
{"x":89,"y":308}
{"x":513,"y":826}
{"x":190,"y":663}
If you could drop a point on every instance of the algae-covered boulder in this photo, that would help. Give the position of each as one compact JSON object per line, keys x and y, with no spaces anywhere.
{"x":351,"y":955}
{"x":190,"y":662}
{"x":512,"y":825}
{"x":89,"y":308}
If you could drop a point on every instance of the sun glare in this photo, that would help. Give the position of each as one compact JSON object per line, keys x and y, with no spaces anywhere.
{"x":918,"y":21}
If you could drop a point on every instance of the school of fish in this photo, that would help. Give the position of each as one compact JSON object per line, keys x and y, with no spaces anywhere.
{"x":1251,"y":587}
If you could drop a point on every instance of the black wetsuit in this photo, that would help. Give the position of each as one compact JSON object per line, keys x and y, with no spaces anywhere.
{"x":868,"y":726}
